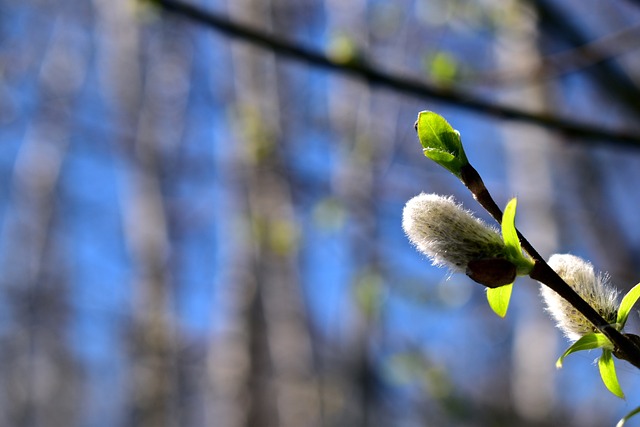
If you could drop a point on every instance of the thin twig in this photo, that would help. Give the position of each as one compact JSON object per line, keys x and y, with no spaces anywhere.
{"x":577,"y":58}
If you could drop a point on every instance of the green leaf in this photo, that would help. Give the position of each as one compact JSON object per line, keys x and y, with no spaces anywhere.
{"x":511,"y":240}
{"x":626,"y":418}
{"x":499,"y":299}
{"x":443,"y":67}
{"x":441,"y":142}
{"x":344,"y":50}
{"x":439,"y":156}
{"x":627,"y":303}
{"x":608,"y":373}
{"x":509,"y":233}
{"x":369,"y":293}
{"x":587,"y":342}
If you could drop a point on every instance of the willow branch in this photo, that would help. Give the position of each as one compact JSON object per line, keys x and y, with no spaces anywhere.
{"x":543,"y":273}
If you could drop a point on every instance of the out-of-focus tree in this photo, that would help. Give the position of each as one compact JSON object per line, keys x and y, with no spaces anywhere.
{"x":41,"y":376}
{"x":276,"y":379}
{"x":200,"y":231}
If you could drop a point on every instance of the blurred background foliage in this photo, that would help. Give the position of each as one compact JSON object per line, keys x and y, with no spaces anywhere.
{"x":196,"y":231}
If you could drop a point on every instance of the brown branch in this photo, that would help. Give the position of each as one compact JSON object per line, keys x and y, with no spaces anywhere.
{"x":543,"y":273}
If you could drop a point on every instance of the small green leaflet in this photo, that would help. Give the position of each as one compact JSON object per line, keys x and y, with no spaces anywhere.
{"x":441,"y":157}
{"x":509,"y":233}
{"x":511,"y":240}
{"x":441,"y":142}
{"x":626,"y":304}
{"x":587,"y":342}
{"x":626,"y":418}
{"x":499,"y":299}
{"x":608,"y":373}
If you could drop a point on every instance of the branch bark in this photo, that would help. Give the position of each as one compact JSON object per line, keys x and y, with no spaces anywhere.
{"x":625,"y":348}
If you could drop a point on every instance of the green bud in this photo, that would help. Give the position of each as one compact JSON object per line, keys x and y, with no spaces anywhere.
{"x":441,"y":142}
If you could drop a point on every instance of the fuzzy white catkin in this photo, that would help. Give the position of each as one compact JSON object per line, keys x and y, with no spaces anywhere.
{"x":593,"y":288}
{"x":447,"y":233}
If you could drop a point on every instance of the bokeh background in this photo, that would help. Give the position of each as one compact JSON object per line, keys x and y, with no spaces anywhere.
{"x":199,"y":231}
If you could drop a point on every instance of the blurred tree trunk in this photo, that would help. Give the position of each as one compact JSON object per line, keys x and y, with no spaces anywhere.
{"x":595,"y":219}
{"x":355,"y":113}
{"x":142,"y":95}
{"x":350,"y":115}
{"x":275,"y":383}
{"x":529,"y":151}
{"x":41,"y":378}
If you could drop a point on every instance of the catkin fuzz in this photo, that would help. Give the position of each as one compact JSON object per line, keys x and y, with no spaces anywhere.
{"x":593,"y":288}
{"x":448,"y":234}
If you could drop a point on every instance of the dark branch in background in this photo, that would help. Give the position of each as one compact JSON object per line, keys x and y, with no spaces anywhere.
{"x":608,"y":73}
{"x":578,"y":58}
{"x":407,"y":85}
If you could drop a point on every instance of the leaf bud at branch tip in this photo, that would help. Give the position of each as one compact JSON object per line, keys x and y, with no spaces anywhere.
{"x":441,"y":142}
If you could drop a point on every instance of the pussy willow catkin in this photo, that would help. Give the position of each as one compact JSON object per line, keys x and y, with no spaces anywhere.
{"x":448,"y":234}
{"x":593,"y":288}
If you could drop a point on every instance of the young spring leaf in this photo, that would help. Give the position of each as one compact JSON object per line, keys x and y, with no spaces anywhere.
{"x":626,"y":418}
{"x":587,"y":342}
{"x":509,"y":233}
{"x":608,"y":373}
{"x":499,"y":299}
{"x":439,"y":156}
{"x":626,"y":304}
{"x":511,"y":240}
{"x":441,"y":142}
